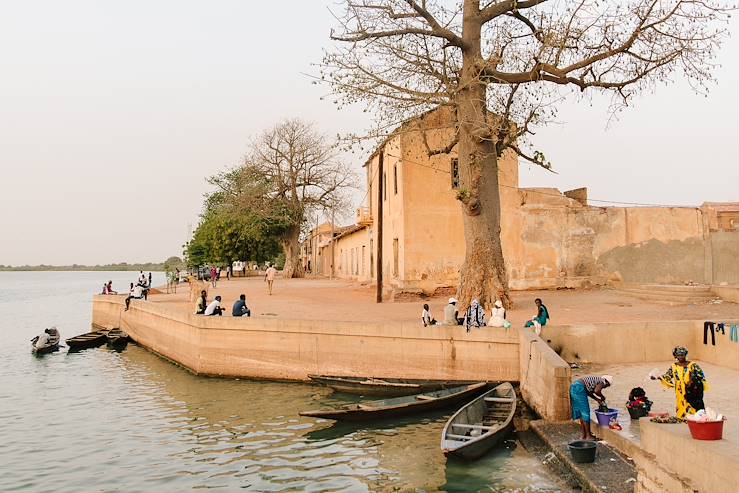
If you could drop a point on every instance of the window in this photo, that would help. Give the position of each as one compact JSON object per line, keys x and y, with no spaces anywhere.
{"x":363,"y":261}
{"x":395,"y":257}
{"x":395,"y":178}
{"x":384,"y":186}
{"x":372,"y":257}
{"x":455,"y":173}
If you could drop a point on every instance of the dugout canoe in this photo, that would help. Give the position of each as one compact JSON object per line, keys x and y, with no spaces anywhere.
{"x":88,"y":340}
{"x":481,"y":424}
{"x":400,"y":406}
{"x":117,"y":338}
{"x":382,"y":387}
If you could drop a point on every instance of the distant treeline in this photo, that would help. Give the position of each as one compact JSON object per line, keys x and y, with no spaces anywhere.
{"x":123,"y":266}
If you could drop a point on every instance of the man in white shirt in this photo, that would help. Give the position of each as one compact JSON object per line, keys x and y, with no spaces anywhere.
{"x":136,"y":293}
{"x":214,"y":308}
{"x":269,"y":277}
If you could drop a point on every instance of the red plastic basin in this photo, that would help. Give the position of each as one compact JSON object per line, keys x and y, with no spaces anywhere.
{"x":707,"y":430}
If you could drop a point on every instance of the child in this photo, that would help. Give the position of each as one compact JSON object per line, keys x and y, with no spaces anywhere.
{"x":638,"y":404}
{"x":426,"y":316}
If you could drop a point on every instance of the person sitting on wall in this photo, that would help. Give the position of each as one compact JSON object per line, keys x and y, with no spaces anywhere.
{"x":497,"y":316}
{"x":541,"y":318}
{"x":136,"y":293}
{"x":202,"y":303}
{"x":426,"y":317}
{"x":475,"y":316}
{"x":240,"y":309}
{"x":214,"y":308}
{"x":451,"y":314}
{"x":588,"y":386}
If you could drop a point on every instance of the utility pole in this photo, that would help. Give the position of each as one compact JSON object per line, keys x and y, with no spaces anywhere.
{"x":380,"y":192}
{"x":333,"y":240}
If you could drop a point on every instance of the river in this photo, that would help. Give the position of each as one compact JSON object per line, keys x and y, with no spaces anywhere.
{"x":101,"y":420}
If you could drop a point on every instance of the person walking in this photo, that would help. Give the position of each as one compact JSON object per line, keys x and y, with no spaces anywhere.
{"x":213,"y":275}
{"x":269,"y":277}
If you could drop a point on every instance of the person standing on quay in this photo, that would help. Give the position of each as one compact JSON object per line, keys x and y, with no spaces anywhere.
{"x":269,"y":277}
{"x":213,"y":274}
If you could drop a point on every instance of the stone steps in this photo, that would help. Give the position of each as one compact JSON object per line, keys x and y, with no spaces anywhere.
{"x":669,"y":294}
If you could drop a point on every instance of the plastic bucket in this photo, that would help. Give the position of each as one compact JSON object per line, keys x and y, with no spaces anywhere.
{"x":604,"y":419}
{"x":637,"y":412}
{"x":582,"y":451}
{"x":706,"y":430}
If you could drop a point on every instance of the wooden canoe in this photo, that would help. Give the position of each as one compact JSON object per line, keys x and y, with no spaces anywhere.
{"x":117,"y":338}
{"x":481,"y":424}
{"x":51,"y":346}
{"x":88,"y":340}
{"x":382,"y":387}
{"x":400,"y":406}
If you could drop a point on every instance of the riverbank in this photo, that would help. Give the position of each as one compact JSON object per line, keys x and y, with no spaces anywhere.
{"x":333,"y":327}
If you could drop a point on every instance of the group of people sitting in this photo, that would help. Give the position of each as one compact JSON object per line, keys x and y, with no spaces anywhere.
{"x":474,"y":316}
{"x":138,"y":291}
{"x":239,"y":308}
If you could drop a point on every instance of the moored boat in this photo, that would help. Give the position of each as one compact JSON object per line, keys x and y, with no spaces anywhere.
{"x":117,"y":338}
{"x":88,"y":340}
{"x":481,"y":424}
{"x":382,"y":387}
{"x":400,"y":406}
{"x":50,"y":343}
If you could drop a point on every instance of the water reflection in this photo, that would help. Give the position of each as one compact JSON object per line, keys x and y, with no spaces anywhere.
{"x":107,"y":420}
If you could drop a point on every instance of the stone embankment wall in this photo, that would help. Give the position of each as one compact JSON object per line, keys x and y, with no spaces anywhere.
{"x":293,"y":349}
{"x":639,"y":342}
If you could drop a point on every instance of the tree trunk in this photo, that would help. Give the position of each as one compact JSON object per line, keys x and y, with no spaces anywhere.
{"x":483,"y":275}
{"x":290,"y":243}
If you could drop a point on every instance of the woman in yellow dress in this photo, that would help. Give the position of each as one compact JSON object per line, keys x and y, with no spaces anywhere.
{"x":689,"y":382}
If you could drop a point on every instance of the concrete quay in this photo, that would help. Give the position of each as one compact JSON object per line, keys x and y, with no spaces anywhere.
{"x":333,"y":327}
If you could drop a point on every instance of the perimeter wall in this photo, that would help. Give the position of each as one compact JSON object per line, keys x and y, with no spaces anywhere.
{"x":292,"y":349}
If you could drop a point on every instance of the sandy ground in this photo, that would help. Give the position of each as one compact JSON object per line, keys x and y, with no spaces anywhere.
{"x":316,"y":299}
{"x":724,"y":384}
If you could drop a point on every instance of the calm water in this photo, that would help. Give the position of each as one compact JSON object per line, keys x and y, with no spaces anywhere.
{"x":99,"y":420}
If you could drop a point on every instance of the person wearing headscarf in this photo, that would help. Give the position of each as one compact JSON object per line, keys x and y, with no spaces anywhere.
{"x":497,"y":316}
{"x":475,"y":316}
{"x":689,"y":382}
{"x":589,"y":386}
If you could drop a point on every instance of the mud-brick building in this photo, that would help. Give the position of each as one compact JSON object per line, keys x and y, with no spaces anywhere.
{"x":550,"y":239}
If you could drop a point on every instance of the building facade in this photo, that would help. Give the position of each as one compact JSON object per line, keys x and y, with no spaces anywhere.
{"x":550,"y":239}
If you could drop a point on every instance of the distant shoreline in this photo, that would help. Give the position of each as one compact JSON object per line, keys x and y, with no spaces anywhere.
{"x":123,"y":267}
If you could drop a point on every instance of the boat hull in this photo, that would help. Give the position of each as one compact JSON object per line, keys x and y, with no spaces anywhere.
{"x":381,"y":387}
{"x":490,"y":415}
{"x":86,"y":341}
{"x":400,"y":406}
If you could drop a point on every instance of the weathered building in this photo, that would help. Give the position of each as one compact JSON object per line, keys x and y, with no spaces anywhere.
{"x":550,"y":239}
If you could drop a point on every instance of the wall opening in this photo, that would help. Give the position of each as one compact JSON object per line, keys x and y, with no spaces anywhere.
{"x":395,"y":257}
{"x":454,"y":172}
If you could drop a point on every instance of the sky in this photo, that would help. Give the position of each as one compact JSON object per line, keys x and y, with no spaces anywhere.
{"x":113,"y":113}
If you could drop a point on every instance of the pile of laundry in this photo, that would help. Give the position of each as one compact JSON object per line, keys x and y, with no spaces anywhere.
{"x":706,"y":415}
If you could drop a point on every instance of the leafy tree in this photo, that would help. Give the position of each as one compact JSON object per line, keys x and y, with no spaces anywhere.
{"x":515,"y":59}
{"x":290,"y":172}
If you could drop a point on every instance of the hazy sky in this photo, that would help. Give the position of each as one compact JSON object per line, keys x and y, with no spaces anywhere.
{"x":112,"y":113}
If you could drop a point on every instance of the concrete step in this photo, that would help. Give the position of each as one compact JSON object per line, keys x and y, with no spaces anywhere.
{"x":668,"y":288}
{"x":663,"y":297}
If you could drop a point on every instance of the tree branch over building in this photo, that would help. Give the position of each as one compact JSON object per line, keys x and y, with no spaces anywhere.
{"x":504,"y":66}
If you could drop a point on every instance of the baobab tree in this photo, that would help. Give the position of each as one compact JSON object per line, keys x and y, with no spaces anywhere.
{"x":503,"y":67}
{"x":291,"y":172}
